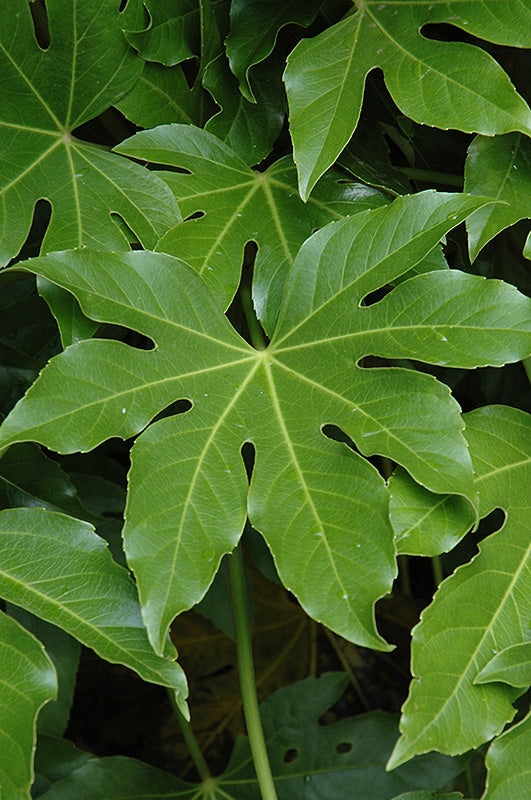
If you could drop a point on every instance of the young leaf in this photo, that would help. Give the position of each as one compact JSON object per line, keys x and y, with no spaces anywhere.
{"x":188,"y":488}
{"x":28,"y":681}
{"x":425,"y":524}
{"x":57,"y":568}
{"x":45,"y":96}
{"x":481,"y":609}
{"x":444,"y":84}
{"x":238,"y":205}
{"x":507,"y":763}
{"x":498,"y":167}
{"x":512,"y":666}
{"x":254,"y":27}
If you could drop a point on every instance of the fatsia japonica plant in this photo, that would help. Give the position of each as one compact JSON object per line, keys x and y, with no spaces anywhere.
{"x":264,"y":339}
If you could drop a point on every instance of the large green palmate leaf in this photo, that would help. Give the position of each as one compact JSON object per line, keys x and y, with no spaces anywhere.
{"x":498,"y":167}
{"x":444,"y":84}
{"x":45,"y":96}
{"x":336,"y":760}
{"x":508,"y":764}
{"x":483,"y":608}
{"x":321,"y":507}
{"x":239,"y":205}
{"x":58,"y":569}
{"x":28,"y":681}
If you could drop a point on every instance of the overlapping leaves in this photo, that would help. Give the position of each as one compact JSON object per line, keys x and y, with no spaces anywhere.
{"x":479,"y":611}
{"x":46,"y":95}
{"x":233,"y":205}
{"x":444,"y":84}
{"x":324,"y":759}
{"x":321,"y":507}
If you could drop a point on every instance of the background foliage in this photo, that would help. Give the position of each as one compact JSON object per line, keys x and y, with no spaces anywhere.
{"x":265,"y":264}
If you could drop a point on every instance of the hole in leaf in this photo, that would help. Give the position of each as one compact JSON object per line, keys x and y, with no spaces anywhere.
{"x":290,"y":755}
{"x":337,"y":435}
{"x":343,"y":748}
{"x":374,"y":297}
{"x":248,"y":452}
{"x":39,"y":225}
{"x":195,"y":215}
{"x":39,"y":15}
{"x":125,"y":335}
{"x":108,"y":129}
{"x":241,"y":311}
{"x":444,"y":32}
{"x":129,"y":234}
{"x":122,"y":6}
{"x":177,"y":407}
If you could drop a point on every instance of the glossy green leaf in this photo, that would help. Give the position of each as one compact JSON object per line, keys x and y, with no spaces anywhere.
{"x":57,"y":568}
{"x":482,"y":609}
{"x":425,"y":524}
{"x":254,"y":27}
{"x":250,"y":129}
{"x":508,"y":764}
{"x":512,"y":666}
{"x":498,"y":167}
{"x":28,"y":681}
{"x":239,"y":205}
{"x":444,"y":84}
{"x":188,"y":488}
{"x":64,"y":653}
{"x":161,"y":95}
